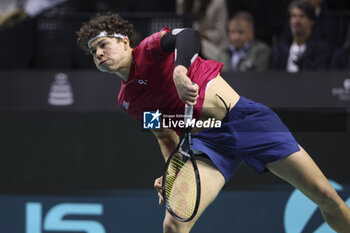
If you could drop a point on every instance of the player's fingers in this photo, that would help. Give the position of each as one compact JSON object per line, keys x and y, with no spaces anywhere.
{"x":193,"y":95}
{"x":158,"y":183}
{"x":160,"y":198}
{"x":193,"y":88}
{"x":191,"y":103}
{"x":158,"y":187}
{"x":191,"y":100}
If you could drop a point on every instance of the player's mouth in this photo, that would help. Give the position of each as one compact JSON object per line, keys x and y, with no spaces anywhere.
{"x":102,"y":62}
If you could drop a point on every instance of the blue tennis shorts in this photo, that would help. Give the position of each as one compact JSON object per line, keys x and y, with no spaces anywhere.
{"x":252,"y":133}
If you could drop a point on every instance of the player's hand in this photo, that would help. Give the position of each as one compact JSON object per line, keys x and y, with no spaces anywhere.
{"x":188,"y":92}
{"x":158,"y":187}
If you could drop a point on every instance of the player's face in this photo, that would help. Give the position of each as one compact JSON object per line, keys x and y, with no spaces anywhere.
{"x":108,"y":54}
{"x":300,"y":24}
{"x":239,"y":33}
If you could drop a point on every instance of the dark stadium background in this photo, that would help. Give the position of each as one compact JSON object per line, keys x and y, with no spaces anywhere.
{"x":89,"y":152}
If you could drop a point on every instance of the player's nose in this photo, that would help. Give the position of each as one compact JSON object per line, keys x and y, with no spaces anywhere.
{"x":99,"y":53}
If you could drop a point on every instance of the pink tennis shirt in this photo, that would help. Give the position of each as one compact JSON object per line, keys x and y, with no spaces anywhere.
{"x":150,"y":85}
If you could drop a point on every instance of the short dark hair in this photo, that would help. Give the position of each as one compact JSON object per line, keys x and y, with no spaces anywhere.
{"x":109,"y":22}
{"x":305,"y":7}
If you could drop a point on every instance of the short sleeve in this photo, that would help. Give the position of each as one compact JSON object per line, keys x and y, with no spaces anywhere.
{"x":150,"y":46}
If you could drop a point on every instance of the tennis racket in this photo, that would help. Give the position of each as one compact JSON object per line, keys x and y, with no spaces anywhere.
{"x":181,"y":183}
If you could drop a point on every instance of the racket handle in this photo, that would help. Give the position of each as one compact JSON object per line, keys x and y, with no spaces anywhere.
{"x":188,"y":112}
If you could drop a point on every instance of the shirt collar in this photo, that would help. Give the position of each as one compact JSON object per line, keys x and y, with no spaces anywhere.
{"x":245,"y":47}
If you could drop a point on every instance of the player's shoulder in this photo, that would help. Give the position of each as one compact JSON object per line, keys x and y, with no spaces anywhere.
{"x":155,"y":37}
{"x":150,"y":46}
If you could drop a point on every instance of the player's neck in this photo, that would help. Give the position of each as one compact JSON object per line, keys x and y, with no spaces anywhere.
{"x":124,"y":71}
{"x":123,"y":76}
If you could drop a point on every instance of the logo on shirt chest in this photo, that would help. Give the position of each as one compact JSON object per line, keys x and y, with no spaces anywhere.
{"x":142,"y":82}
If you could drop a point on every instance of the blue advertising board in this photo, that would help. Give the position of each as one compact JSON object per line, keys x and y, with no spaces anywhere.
{"x":274,"y":208}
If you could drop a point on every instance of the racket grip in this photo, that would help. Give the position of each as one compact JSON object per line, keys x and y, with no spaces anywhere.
{"x":188,"y":112}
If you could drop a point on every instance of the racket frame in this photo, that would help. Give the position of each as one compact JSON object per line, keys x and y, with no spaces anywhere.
{"x":185,"y":139}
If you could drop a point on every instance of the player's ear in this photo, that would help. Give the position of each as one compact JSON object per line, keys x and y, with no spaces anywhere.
{"x":126,"y":43}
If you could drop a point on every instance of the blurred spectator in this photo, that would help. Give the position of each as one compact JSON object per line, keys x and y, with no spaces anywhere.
{"x":327,"y":27}
{"x":8,"y":6}
{"x":244,"y":52}
{"x":146,"y":5}
{"x":16,"y":36}
{"x":337,"y":5}
{"x":11,"y":13}
{"x":14,"y":24}
{"x":347,"y":38}
{"x":12,"y":17}
{"x":35,"y":7}
{"x":269,"y":16}
{"x":210,"y":20}
{"x":303,"y":51}
{"x":341,"y":59}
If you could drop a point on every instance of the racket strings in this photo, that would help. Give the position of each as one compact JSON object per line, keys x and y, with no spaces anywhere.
{"x":181,"y":187}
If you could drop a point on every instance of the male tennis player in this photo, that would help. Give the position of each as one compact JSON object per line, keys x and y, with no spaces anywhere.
{"x":158,"y":74}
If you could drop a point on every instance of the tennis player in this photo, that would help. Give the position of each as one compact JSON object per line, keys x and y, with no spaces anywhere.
{"x":158,"y":74}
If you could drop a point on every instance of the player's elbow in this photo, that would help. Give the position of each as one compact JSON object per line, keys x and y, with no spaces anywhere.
{"x":190,"y":34}
{"x":165,"y":134}
{"x":168,"y":141}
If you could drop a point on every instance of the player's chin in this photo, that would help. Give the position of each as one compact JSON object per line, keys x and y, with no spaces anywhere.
{"x":104,"y":69}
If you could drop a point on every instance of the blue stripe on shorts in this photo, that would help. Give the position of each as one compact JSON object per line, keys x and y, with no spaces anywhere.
{"x":253,"y":133}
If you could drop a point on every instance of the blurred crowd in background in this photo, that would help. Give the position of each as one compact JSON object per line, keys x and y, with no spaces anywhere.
{"x":245,"y":35}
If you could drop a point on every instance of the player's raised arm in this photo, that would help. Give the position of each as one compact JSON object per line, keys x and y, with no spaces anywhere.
{"x":185,"y":42}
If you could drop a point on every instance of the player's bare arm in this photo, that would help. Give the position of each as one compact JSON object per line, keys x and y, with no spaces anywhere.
{"x":188,"y":92}
{"x":185,"y":42}
{"x":167,"y":140}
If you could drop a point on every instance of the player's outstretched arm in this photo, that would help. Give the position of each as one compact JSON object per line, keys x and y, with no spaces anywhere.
{"x":188,"y":92}
{"x":186,"y":44}
{"x":167,"y":140}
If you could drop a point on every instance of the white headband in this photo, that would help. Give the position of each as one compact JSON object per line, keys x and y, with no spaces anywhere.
{"x":104,"y":33}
